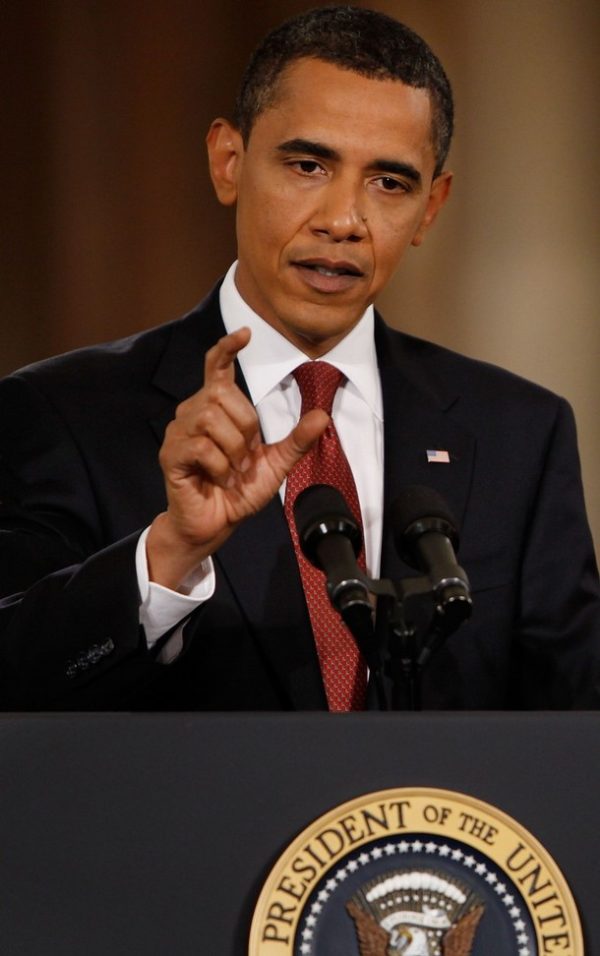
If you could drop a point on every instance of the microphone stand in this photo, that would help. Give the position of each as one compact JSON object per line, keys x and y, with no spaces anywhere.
{"x":410,"y":624}
{"x":359,"y":620}
{"x":411,"y":619}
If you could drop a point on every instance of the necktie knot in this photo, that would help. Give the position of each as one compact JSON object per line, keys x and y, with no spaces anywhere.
{"x":318,"y":382}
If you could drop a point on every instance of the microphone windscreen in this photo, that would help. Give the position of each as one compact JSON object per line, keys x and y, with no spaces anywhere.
{"x":320,"y":511}
{"x":319,"y":503}
{"x":416,"y":510}
{"x":419,"y":501}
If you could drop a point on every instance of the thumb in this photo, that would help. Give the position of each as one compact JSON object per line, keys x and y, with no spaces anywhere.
{"x":302,"y":438}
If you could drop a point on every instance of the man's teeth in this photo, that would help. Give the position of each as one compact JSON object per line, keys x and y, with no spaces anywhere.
{"x":330,"y":272}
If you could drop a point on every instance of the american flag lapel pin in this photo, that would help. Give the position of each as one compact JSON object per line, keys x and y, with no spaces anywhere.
{"x":438,"y":456}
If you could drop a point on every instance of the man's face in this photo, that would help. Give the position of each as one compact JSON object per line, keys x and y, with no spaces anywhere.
{"x":335,"y":182}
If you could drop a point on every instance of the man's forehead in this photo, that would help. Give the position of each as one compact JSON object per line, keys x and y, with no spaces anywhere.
{"x":305,"y":71}
{"x":321,"y":102}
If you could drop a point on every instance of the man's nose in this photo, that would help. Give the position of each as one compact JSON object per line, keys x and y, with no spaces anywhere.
{"x":341,"y":214}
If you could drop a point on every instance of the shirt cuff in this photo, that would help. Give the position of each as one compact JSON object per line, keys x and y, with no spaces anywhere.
{"x":161,"y":609}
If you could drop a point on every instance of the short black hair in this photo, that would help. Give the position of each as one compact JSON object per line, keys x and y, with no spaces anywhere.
{"x":353,"y":38}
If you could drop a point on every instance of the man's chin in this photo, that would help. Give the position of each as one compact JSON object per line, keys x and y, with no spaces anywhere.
{"x":320,"y":335}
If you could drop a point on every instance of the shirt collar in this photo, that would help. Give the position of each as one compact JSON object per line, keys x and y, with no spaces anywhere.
{"x":269,"y":358}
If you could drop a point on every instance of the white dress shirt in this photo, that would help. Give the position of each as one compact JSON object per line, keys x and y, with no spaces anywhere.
{"x":267,"y":364}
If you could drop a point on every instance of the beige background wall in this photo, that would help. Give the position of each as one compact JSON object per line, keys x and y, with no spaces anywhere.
{"x":109,"y":226}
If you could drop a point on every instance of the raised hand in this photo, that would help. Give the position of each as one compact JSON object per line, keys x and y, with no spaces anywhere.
{"x":217,"y":469}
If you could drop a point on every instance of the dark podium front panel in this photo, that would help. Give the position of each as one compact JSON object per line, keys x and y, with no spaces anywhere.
{"x":153,"y":835}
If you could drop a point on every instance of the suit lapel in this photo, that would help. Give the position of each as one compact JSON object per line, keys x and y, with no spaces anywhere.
{"x":258,"y":560}
{"x":260,"y":565}
{"x":180,"y":371}
{"x":417,"y":418}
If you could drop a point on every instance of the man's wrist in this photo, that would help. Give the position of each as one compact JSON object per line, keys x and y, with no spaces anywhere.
{"x":171,"y":559}
{"x":161,"y":608}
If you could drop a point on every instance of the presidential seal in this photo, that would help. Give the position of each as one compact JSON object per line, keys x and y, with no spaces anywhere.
{"x":415,"y":872}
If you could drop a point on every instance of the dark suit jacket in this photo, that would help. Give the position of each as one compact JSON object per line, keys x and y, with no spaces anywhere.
{"x":79,"y":438}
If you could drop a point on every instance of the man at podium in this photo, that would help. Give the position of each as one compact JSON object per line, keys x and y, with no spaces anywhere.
{"x":150,"y":558}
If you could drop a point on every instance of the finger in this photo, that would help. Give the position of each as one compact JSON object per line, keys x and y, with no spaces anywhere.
{"x":215,"y":423}
{"x":241,"y":411}
{"x":309,"y":429}
{"x":301,"y":439}
{"x":221,"y":407}
{"x":219,"y":383}
{"x":219,"y":360}
{"x":199,"y":456}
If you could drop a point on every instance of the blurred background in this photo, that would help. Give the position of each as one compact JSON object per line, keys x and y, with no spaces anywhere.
{"x":109,"y":224}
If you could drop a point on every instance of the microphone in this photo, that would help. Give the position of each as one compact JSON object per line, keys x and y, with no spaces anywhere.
{"x":330,"y":538}
{"x":426,"y":539}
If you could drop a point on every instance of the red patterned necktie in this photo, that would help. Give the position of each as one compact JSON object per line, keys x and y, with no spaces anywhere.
{"x":342,"y":666}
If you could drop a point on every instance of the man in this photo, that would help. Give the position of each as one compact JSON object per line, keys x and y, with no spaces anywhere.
{"x":336,"y":165}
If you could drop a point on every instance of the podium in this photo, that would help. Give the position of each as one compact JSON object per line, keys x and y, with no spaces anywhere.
{"x":125,"y":834}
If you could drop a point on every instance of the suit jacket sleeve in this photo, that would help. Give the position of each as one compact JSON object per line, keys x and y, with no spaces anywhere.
{"x":79,"y":480}
{"x":69,"y":612}
{"x":557,"y":654}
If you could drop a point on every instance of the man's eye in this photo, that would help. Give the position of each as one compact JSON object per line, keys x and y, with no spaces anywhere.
{"x":392,"y":185}
{"x":307,"y":166}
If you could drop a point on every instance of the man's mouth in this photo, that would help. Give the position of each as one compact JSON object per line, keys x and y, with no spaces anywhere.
{"x":327,"y":276}
{"x":331,"y":269}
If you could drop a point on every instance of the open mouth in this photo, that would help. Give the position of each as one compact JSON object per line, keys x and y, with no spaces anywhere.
{"x":327,"y":278}
{"x":331,"y":270}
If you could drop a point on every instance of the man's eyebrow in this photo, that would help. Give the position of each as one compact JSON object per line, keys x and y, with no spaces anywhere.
{"x":399,"y":169}
{"x":307,"y":146}
{"x":320,"y":151}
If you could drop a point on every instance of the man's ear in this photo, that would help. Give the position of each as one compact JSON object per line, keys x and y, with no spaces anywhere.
{"x":225,"y":154}
{"x":440,"y":190}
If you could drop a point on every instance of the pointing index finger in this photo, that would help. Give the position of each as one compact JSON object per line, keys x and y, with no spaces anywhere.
{"x":218,"y":365}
